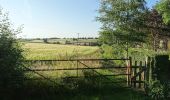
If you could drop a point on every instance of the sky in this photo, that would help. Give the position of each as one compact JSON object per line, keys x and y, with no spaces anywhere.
{"x":55,"y":18}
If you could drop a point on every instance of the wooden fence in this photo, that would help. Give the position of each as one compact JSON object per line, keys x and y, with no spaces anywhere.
{"x":136,"y":74}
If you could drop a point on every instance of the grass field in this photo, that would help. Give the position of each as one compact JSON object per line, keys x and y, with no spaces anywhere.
{"x":42,"y":51}
{"x":58,"y":86}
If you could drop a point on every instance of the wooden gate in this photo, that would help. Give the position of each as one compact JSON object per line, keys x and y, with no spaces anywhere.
{"x":135,"y":74}
{"x":80,"y":65}
{"x":140,"y":74}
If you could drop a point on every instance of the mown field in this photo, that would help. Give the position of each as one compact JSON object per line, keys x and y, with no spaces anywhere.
{"x":42,"y":51}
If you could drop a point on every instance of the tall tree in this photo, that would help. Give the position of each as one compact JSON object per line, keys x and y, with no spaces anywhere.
{"x":163,"y":8}
{"x":157,"y":29}
{"x":124,"y":18}
{"x":123,"y":25}
{"x":131,"y":21}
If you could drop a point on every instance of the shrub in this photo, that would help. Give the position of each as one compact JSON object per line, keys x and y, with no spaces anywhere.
{"x":11,"y":56}
{"x":156,"y":90}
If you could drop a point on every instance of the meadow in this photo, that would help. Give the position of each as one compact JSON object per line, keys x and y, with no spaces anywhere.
{"x":57,"y":84}
{"x":43,"y":51}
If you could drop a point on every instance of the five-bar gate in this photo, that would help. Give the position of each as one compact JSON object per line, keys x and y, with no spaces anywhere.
{"x":134,"y":74}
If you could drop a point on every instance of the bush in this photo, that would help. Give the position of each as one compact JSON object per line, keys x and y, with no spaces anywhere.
{"x":11,"y":56}
{"x":156,"y":90}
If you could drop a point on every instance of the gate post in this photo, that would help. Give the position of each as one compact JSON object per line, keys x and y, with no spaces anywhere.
{"x":135,"y":72}
{"x":130,"y":69}
{"x":147,"y":76}
{"x":129,"y":64}
{"x":140,"y":75}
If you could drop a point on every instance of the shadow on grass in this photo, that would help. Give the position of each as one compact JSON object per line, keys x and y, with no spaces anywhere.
{"x":70,"y":89}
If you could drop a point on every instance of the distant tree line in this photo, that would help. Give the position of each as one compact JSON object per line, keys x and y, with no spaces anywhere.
{"x":84,"y":41}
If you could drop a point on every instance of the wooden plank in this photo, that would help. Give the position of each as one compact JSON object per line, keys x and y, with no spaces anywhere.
{"x":136,"y":66}
{"x":99,"y":75}
{"x":72,"y":77}
{"x":74,"y":60}
{"x":75,"y":68}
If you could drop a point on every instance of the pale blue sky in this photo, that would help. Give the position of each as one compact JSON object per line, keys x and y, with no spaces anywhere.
{"x":55,"y":18}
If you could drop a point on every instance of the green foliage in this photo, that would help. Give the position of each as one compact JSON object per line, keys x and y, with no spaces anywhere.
{"x":11,"y":57}
{"x":158,"y":85}
{"x":140,"y":54}
{"x":125,"y":19}
{"x":107,"y":37}
{"x":113,"y":51}
{"x":156,"y":90}
{"x":123,"y":26}
{"x":163,"y":8}
{"x":131,"y":21}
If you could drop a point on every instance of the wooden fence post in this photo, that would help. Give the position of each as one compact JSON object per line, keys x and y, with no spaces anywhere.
{"x":130,"y":69}
{"x":127,"y":72}
{"x":149,"y":65}
{"x":140,"y":78}
{"x":135,"y":72}
{"x":145,"y":74}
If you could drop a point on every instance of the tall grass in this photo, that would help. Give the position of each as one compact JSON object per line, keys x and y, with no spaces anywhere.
{"x":42,"y":51}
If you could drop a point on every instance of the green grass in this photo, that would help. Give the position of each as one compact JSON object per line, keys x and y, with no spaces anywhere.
{"x":42,"y":51}
{"x":84,"y":92}
{"x":81,"y":89}
{"x":40,"y":90}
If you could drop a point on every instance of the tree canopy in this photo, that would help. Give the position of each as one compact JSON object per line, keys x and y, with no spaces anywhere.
{"x":125,"y":18}
{"x":163,"y":7}
{"x":131,"y":21}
